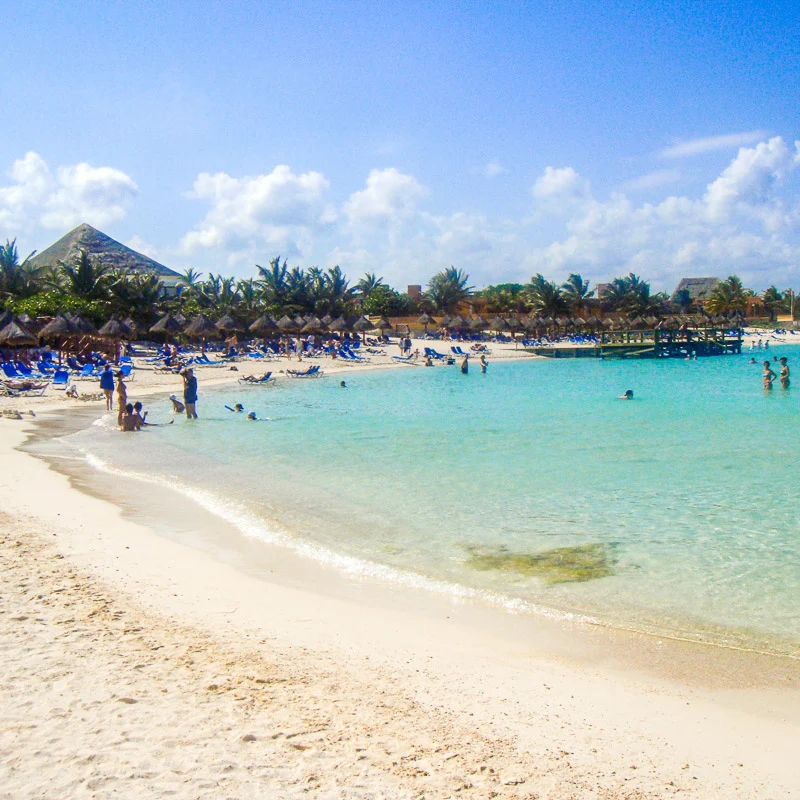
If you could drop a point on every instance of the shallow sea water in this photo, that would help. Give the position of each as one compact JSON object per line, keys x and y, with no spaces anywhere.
{"x":532,"y":487}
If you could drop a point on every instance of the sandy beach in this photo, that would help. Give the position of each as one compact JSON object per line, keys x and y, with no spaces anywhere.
{"x":136,"y":666}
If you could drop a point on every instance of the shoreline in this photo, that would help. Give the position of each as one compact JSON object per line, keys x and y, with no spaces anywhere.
{"x":541,"y":694}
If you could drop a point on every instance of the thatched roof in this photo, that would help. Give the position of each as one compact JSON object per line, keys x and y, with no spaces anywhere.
{"x":363,"y":324}
{"x":82,"y":325}
{"x":102,"y":249}
{"x":167,"y":324}
{"x":228,"y":324}
{"x":263,"y":325}
{"x":286,"y":323}
{"x":201,"y":326}
{"x":698,"y":288}
{"x":14,"y":335}
{"x":339,"y":324}
{"x":312,"y":326}
{"x":114,"y":328}
{"x":426,"y":319}
{"x":58,"y":326}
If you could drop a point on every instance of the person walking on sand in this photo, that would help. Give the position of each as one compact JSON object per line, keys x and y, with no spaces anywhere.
{"x":784,"y":373}
{"x":189,"y":392}
{"x":107,"y":386}
{"x":122,"y":398}
{"x":768,"y":375}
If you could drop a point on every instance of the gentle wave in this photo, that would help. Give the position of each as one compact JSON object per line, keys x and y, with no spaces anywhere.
{"x":255,"y":527}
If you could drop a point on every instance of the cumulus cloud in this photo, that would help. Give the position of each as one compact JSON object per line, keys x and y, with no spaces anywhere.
{"x":36,"y":197}
{"x":707,"y":144}
{"x":558,"y":190}
{"x":743,"y":222}
{"x":278,"y":209}
{"x":389,"y":195}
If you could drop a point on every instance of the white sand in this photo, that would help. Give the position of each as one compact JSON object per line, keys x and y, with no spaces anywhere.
{"x":134,"y":666}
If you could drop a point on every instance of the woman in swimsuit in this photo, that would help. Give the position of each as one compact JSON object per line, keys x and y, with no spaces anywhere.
{"x":122,"y":398}
{"x":784,"y":376}
{"x":768,"y":375}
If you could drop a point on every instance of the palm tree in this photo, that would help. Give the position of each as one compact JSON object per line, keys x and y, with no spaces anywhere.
{"x":135,"y":294}
{"x":545,"y":297}
{"x":773,"y":301}
{"x":273,"y":282}
{"x":249,"y":297}
{"x":576,"y":291}
{"x":17,"y":279}
{"x":727,"y":297}
{"x":368,"y":284}
{"x":448,"y":288}
{"x":86,"y":278}
{"x":632,"y":295}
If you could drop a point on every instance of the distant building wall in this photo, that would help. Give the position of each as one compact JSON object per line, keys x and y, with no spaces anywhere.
{"x":414,"y":291}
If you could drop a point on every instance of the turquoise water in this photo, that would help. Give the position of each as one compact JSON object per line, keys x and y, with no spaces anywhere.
{"x":531,"y":487}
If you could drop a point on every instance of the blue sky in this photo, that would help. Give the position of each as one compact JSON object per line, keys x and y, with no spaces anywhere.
{"x":503,"y":138}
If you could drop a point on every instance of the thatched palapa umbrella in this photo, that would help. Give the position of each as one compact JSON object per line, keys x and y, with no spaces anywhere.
{"x":229,"y":325}
{"x":83,"y":326}
{"x":426,"y":319}
{"x":383,"y":324}
{"x":58,"y":329}
{"x":313,"y":325}
{"x":498,"y":324}
{"x":363,"y":325}
{"x":14,"y":335}
{"x":339,"y":324}
{"x":167,"y":325}
{"x":201,"y":327}
{"x":478,"y":323}
{"x":263,"y":326}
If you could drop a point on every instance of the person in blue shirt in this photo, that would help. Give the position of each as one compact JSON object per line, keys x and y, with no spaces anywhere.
{"x":107,"y":386}
{"x":189,"y":393}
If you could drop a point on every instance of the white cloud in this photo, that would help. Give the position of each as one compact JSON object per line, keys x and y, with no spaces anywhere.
{"x":277,"y":209}
{"x":707,"y":144}
{"x":745,"y":222}
{"x":491,"y":170}
{"x":37,"y":198}
{"x":390,"y":196}
{"x":652,"y":180}
{"x":558,"y":191}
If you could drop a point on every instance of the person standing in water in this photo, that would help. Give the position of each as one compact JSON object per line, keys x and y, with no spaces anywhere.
{"x":465,"y":365}
{"x":189,"y":393}
{"x":768,"y":375}
{"x":784,"y":373}
{"x":122,"y":398}
{"x":107,"y":386}
{"x":484,"y":364}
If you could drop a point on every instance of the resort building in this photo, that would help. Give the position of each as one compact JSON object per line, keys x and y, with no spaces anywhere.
{"x":693,"y":291}
{"x":108,"y":252}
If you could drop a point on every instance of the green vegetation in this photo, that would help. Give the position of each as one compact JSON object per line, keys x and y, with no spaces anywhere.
{"x":85,"y":286}
{"x":584,"y":562}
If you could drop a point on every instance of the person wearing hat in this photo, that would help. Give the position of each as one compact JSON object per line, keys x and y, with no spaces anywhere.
{"x":189,"y":392}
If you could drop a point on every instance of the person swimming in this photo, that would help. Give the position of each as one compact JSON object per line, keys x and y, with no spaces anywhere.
{"x":342,"y":384}
{"x":237,"y":409}
{"x":627,"y":396}
{"x":768,"y":375}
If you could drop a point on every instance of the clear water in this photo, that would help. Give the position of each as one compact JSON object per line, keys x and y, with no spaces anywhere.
{"x":679,"y":510}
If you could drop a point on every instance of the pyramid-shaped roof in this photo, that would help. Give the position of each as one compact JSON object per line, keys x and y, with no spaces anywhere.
{"x":102,"y":248}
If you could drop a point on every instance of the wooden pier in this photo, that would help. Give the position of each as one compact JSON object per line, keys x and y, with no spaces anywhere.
{"x":686,"y":342}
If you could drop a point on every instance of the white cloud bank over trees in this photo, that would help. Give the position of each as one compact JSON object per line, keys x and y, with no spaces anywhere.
{"x":746,"y":220}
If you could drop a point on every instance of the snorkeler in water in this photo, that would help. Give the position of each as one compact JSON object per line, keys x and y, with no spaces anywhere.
{"x":237,"y":409}
{"x":627,"y":396}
